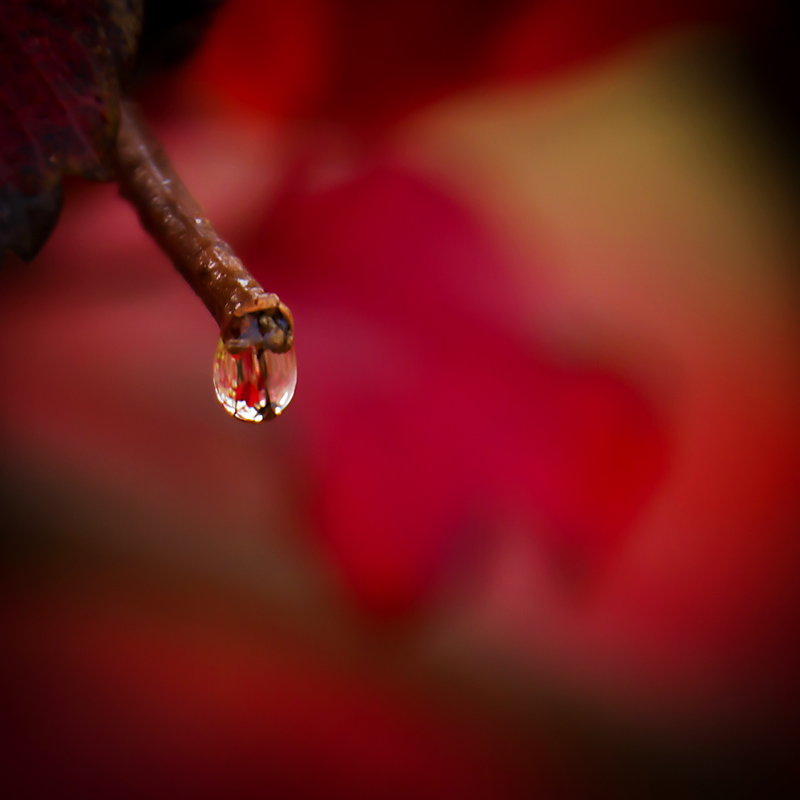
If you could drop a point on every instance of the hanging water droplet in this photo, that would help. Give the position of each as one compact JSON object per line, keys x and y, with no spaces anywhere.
{"x":254,"y":383}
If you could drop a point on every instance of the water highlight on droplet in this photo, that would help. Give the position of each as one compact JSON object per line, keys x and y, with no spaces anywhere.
{"x":252,"y":382}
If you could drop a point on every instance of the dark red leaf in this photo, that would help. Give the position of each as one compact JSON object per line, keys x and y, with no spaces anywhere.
{"x":61,"y":62}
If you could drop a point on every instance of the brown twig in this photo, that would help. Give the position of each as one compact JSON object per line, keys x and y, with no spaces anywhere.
{"x":243,"y":310}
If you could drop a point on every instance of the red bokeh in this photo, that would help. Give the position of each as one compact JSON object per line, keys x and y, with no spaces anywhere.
{"x":368,"y":63}
{"x":427,"y":414}
{"x":444,"y":458}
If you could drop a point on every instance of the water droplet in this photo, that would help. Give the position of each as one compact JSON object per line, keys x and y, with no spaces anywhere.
{"x":254,"y":383}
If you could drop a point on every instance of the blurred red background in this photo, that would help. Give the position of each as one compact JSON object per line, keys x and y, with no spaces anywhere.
{"x":529,"y":526}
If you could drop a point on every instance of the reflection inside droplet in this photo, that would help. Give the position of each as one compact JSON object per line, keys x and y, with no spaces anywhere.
{"x":254,"y":383}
